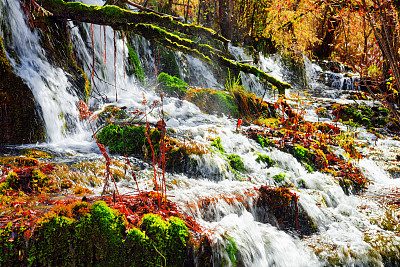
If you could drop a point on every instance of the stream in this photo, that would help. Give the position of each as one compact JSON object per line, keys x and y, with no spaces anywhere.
{"x":351,"y":230}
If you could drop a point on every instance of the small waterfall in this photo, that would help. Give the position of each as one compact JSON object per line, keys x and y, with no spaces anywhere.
{"x":215,"y":196}
{"x":56,"y":97}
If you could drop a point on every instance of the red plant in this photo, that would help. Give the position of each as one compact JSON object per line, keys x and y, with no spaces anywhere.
{"x":85,"y":114}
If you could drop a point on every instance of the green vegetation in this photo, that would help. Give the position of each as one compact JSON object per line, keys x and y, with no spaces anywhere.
{"x":213,"y":101}
{"x":217,"y":144}
{"x":134,"y":66}
{"x":279,"y":178}
{"x":235,"y":161}
{"x":264,"y":141}
{"x":357,"y":115}
{"x":95,"y":235}
{"x":265,"y":159}
{"x":232,"y":250}
{"x":168,"y":62}
{"x":171,"y":85}
{"x":129,"y":139}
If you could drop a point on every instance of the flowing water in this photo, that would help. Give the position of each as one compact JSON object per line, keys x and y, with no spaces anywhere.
{"x":345,"y":224}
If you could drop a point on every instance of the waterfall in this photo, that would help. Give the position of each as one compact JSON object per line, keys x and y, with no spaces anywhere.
{"x":56,"y":97}
{"x":217,"y":197}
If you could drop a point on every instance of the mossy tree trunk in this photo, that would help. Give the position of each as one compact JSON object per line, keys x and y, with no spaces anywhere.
{"x":161,"y":29}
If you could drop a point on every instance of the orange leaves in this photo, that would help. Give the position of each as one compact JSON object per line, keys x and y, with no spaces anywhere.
{"x":84,"y":112}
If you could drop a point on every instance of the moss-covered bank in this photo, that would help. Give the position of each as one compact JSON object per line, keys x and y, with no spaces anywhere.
{"x":83,"y":234}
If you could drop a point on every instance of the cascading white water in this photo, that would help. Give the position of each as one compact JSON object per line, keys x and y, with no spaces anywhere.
{"x":342,"y":221}
{"x":50,"y":86}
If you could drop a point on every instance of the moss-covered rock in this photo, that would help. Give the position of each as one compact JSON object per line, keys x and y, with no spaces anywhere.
{"x":235,"y":161}
{"x":237,"y":103}
{"x":168,"y":62}
{"x":80,"y":234}
{"x":110,"y":114}
{"x":217,"y":144}
{"x":54,"y":239}
{"x":359,"y":115}
{"x":99,"y":236}
{"x":213,"y":101}
{"x":129,"y":140}
{"x":20,"y":122}
{"x":265,"y":159}
{"x":171,"y":85}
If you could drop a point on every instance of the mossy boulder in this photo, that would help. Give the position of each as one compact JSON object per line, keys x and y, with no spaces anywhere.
{"x":235,"y":161}
{"x":237,"y":103}
{"x":129,"y":140}
{"x":265,"y":159}
{"x":20,"y":122}
{"x":171,"y":85}
{"x":99,"y":236}
{"x":110,"y":114}
{"x":54,"y":237}
{"x":213,"y":101}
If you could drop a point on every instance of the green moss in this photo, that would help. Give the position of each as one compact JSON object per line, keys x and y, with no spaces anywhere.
{"x":279,"y":178}
{"x":53,"y":240}
{"x":80,"y":234}
{"x":157,"y":242}
{"x":232,"y":251}
{"x":32,"y":153}
{"x":134,"y":66}
{"x":171,"y":85}
{"x":309,"y":167}
{"x":236,"y":162}
{"x":217,"y":144}
{"x":265,"y":159}
{"x":40,"y":181}
{"x":168,"y":62}
{"x":111,"y":113}
{"x":264,"y":141}
{"x":129,"y":140}
{"x":213,"y":101}
{"x":356,"y":115}
{"x":301,"y":153}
